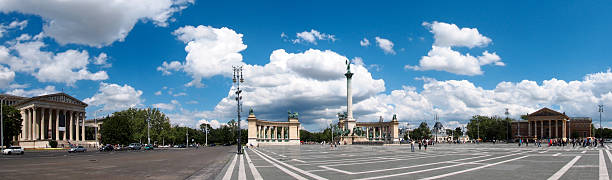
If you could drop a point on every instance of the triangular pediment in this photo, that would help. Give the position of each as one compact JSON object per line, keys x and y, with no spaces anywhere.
{"x":57,"y":97}
{"x":546,"y":112}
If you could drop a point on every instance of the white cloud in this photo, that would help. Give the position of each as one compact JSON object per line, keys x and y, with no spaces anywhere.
{"x":310,"y":82}
{"x":64,"y":67}
{"x":180,"y":94}
{"x":449,"y":35}
{"x":113,"y":97}
{"x":210,"y":52}
{"x":365,"y":42}
{"x":164,"y":106}
{"x":458,"y":100}
{"x":101,"y":60}
{"x":13,"y":25}
{"x":158,"y":93}
{"x":95,"y":22}
{"x":442,"y":57}
{"x":33,"y":92}
{"x":6,"y":77}
{"x":312,"y":36}
{"x":213,"y":123}
{"x":386,"y":45}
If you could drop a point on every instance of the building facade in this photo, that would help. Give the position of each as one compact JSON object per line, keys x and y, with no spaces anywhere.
{"x":262,"y":132}
{"x":58,"y":117}
{"x":549,"y":124}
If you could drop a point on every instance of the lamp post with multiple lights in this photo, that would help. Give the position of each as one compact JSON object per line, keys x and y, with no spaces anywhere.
{"x":237,"y":79}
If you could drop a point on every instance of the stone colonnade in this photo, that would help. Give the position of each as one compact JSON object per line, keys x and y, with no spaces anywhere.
{"x":273,"y":133}
{"x":42,"y":123}
{"x":557,"y":128}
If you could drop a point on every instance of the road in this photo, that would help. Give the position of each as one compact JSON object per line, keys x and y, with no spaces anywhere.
{"x":201,"y":163}
{"x":442,"y":161}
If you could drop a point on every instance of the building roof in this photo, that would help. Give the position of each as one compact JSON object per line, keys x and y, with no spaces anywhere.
{"x":547,"y":112}
{"x":57,"y":97}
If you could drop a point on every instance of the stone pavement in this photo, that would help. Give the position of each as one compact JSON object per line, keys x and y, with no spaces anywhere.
{"x":442,"y":161}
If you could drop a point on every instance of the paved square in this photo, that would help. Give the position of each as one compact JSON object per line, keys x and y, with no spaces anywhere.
{"x":443,"y":161}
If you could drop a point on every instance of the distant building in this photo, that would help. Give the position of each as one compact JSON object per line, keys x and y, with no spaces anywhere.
{"x":49,"y":117}
{"x":549,"y":124}
{"x":263,"y":132}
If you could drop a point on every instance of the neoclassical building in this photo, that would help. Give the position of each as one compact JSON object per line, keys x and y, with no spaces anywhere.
{"x":58,"y":117}
{"x":262,"y":132}
{"x":549,"y":124}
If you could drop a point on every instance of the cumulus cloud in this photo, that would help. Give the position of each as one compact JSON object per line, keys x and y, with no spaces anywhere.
{"x":312,"y":36}
{"x":210,"y":52}
{"x":310,"y":82}
{"x":33,"y":92}
{"x":458,"y":100}
{"x":6,"y":77}
{"x":13,"y":25}
{"x":385,"y":44}
{"x":114,"y":97}
{"x":164,"y":106}
{"x":213,"y":123}
{"x":97,"y":22}
{"x":64,"y":67}
{"x":365,"y":42}
{"x":442,"y":57}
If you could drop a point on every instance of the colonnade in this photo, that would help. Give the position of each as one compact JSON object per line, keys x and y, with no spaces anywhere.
{"x":552,"y":125}
{"x":378,"y":132}
{"x":42,"y":123}
{"x":273,"y":132}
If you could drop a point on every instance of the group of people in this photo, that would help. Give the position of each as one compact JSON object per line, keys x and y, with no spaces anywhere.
{"x":586,"y":142}
{"x":421,"y":143}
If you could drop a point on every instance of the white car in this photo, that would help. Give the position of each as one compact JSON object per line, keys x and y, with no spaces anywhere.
{"x":13,"y":150}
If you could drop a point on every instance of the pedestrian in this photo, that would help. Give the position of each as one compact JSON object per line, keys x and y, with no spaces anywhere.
{"x":527,"y":143}
{"x":420,"y":145}
{"x":412,"y":146}
{"x":426,"y":142}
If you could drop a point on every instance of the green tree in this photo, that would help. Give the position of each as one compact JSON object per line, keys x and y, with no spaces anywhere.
{"x":458,"y":132}
{"x":116,"y":130}
{"x":422,"y":132}
{"x":488,"y":128}
{"x":11,"y":122}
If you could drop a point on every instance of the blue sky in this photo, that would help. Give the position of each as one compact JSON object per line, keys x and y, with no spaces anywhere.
{"x":559,"y":46}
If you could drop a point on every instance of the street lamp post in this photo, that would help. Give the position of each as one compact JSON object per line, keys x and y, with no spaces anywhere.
{"x":237,"y":79}
{"x":507,"y":126}
{"x":2,"y":124}
{"x":600,"y":129}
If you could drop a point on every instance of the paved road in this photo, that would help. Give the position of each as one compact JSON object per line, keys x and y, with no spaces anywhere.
{"x":444,"y":161}
{"x":202,"y":163}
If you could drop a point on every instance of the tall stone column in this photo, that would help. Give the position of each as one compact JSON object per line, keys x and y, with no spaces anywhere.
{"x":69,"y":125}
{"x":30,"y":125}
{"x":556,"y":128}
{"x":535,"y":128}
{"x":49,"y":127}
{"x":528,"y":128}
{"x":36,"y":125}
{"x":563,"y":130}
{"x":23,"y":125}
{"x":57,"y":117}
{"x":65,"y":125}
{"x":77,"y":126}
{"x":83,"y":126}
{"x":542,"y":128}
{"x":550,"y":129}
{"x":43,"y":125}
{"x":350,"y":121}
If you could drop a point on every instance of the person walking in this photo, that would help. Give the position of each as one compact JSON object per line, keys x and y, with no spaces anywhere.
{"x":420,"y":144}
{"x":426,"y":142}
{"x":412,"y":146}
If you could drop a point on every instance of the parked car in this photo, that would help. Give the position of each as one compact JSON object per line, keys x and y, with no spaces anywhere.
{"x":164,"y":146}
{"x":180,"y":146}
{"x":13,"y":150}
{"x":107,"y":147}
{"x":211,"y":145}
{"x":135,"y":146}
{"x":77,"y":149}
{"x":148,"y":147}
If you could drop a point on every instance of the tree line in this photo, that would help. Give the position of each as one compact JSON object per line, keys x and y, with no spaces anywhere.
{"x":130,"y":126}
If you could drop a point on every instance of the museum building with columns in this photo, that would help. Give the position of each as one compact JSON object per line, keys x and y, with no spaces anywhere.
{"x":549,"y":124}
{"x":262,"y":132}
{"x":58,"y":117}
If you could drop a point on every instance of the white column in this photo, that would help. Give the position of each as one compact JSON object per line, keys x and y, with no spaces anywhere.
{"x":65,"y":124}
{"x":542,"y":128}
{"x":23,"y":125}
{"x":36,"y":126}
{"x":77,"y":127}
{"x":57,"y":113}
{"x":556,"y":128}
{"x":535,"y":128}
{"x":550,"y":129}
{"x":68,"y":125}
{"x":30,"y":123}
{"x":72,"y":126}
{"x":49,"y":128}
{"x":528,"y":128}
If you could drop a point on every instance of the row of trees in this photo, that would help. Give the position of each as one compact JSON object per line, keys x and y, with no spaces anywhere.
{"x":488,"y":128}
{"x":129,"y":126}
